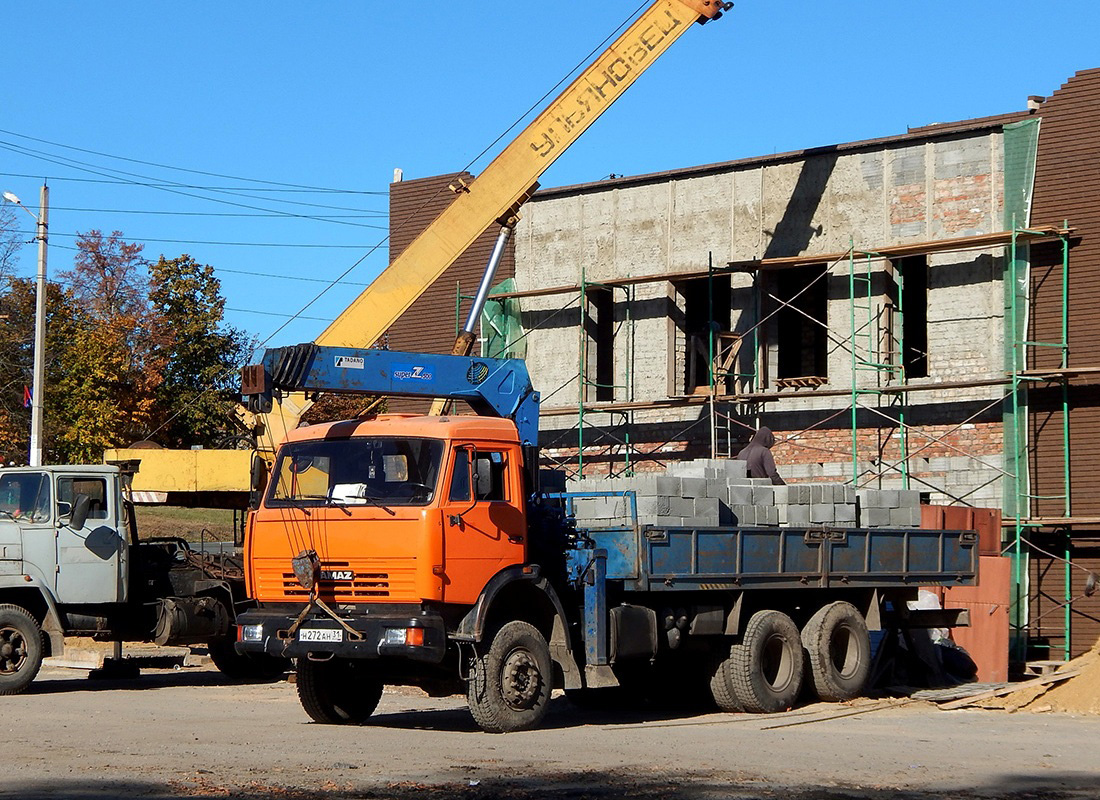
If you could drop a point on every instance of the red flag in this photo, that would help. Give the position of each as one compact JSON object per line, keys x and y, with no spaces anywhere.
{"x":26,"y":397}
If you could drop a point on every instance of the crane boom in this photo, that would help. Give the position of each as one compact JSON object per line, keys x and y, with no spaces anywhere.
{"x":511,"y":177}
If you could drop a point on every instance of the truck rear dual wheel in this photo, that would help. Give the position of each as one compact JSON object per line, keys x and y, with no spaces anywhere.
{"x":763,"y":673}
{"x":20,"y":649}
{"x":838,"y":647}
{"x":509,"y":685}
{"x":339,"y":691}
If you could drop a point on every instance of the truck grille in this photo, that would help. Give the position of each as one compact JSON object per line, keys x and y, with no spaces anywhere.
{"x":363,"y":584}
{"x":370,"y":582}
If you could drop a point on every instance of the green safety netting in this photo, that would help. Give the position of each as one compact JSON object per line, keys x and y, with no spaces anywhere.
{"x":502,"y":324}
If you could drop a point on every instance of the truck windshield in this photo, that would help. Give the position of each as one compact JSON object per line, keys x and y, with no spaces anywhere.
{"x":25,"y":496}
{"x":359,"y":471}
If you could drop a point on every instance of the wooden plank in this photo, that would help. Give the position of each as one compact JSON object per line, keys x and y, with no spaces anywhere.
{"x":1043,"y":681}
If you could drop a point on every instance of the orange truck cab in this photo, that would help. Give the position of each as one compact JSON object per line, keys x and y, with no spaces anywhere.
{"x":401,"y":511}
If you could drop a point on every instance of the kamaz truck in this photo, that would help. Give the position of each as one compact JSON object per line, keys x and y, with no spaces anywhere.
{"x":71,"y":564}
{"x":420,"y":550}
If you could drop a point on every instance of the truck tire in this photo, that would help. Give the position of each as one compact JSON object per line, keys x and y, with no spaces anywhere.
{"x":765,"y":669}
{"x":509,"y":685}
{"x":838,"y":647}
{"x":245,"y":666}
{"x":721,"y":687}
{"x":338,"y":691}
{"x":20,"y":649}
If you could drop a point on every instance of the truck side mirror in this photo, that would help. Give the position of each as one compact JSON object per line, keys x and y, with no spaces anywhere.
{"x":82,"y":506}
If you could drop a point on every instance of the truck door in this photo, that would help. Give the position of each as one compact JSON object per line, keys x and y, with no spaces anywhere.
{"x":25,"y":501}
{"x":483,"y":520}
{"x":89,"y":558}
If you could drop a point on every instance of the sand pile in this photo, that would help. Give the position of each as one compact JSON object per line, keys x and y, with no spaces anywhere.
{"x":1079,"y":694}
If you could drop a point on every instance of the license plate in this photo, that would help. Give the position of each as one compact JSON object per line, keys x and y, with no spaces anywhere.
{"x":320,"y":635}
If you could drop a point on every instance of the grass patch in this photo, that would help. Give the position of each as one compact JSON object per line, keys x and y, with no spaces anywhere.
{"x":186,"y":523}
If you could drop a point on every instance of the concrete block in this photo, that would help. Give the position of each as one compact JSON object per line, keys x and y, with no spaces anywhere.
{"x":707,"y":507}
{"x":799,"y":494}
{"x":821,"y":513}
{"x":845,"y":514}
{"x":684,"y":507}
{"x":780,"y":495}
{"x":781,"y":514}
{"x":716,"y":487}
{"x":771,"y":516}
{"x":653,"y":505}
{"x":739,"y":495}
{"x":743,"y":515}
{"x":908,"y":498}
{"x":798,"y":516}
{"x":848,"y":493}
{"x":821,"y":493}
{"x":904,"y":517}
{"x":693,"y":487}
{"x":763,"y":496}
{"x":875,"y":517}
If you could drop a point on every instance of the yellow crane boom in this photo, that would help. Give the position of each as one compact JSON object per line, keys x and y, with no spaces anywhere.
{"x":511,"y":177}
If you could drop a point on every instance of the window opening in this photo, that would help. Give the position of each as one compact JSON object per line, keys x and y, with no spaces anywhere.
{"x":914,"y":308}
{"x":801,"y":319}
{"x":490,"y":476}
{"x":94,"y":488}
{"x":25,"y":496}
{"x":602,"y":334}
{"x":460,"y":477}
{"x":707,"y":304}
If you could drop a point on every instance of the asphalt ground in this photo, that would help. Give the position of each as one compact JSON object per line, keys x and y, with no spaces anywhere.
{"x":188,"y":732}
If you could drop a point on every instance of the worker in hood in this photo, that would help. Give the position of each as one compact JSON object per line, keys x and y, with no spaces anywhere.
{"x":758,"y":455}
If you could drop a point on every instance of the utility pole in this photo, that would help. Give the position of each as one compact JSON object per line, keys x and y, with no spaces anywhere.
{"x":38,"y":388}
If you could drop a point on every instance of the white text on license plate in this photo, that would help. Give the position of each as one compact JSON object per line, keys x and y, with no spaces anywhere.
{"x":320,"y":635}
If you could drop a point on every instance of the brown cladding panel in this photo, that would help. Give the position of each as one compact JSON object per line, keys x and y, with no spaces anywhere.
{"x":1067,"y":188}
{"x":429,"y":324}
{"x":1048,"y":594}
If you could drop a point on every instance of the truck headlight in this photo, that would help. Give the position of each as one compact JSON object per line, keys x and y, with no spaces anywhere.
{"x":404,"y":636}
{"x":252,"y":633}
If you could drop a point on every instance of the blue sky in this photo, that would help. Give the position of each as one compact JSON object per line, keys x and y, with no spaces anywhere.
{"x":335,"y":95}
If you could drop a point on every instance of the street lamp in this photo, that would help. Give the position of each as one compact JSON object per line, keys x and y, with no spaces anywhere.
{"x":39,"y":378}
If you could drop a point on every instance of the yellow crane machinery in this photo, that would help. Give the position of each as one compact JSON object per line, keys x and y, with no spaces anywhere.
{"x":494,"y":196}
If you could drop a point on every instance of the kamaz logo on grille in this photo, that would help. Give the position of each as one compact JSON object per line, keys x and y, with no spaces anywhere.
{"x":410,"y":372}
{"x":337,"y":574}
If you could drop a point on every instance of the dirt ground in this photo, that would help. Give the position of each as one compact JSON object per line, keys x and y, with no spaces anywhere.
{"x":190,"y":733}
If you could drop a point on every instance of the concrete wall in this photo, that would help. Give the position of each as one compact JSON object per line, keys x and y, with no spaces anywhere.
{"x":879,"y":195}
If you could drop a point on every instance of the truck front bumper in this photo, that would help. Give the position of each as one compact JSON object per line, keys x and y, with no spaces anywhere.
{"x":417,"y":635}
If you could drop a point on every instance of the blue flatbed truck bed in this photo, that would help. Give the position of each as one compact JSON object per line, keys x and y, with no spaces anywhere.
{"x":754,"y":604}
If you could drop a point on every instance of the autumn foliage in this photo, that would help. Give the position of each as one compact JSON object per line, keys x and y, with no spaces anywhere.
{"x":135,"y":351}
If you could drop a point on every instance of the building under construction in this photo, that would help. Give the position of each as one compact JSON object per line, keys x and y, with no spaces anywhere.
{"x":908,"y":312}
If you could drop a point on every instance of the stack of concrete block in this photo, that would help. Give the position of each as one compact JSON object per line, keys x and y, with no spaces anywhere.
{"x":708,"y":492}
{"x":664,"y":500}
{"x":889,"y":508}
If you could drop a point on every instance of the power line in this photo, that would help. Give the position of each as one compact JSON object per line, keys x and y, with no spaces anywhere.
{"x":363,"y":215}
{"x":139,"y":240}
{"x":171,"y":187}
{"x":277,"y":314}
{"x":195,"y":186}
{"x":169,"y":166}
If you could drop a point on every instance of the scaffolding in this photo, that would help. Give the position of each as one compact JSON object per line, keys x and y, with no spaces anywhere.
{"x":736,"y":393}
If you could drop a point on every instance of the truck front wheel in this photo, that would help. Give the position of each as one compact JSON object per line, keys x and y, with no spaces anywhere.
{"x":20,"y":649}
{"x":765,"y":669}
{"x":338,"y":691}
{"x":839,"y":648}
{"x":509,"y":686}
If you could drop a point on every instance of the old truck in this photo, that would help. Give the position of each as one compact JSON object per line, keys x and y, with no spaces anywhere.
{"x":71,"y":564}
{"x":419,"y":550}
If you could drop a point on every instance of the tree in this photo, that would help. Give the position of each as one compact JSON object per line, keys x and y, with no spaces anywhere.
{"x":198,"y":397}
{"x":114,"y":356}
{"x":17,"y":309}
